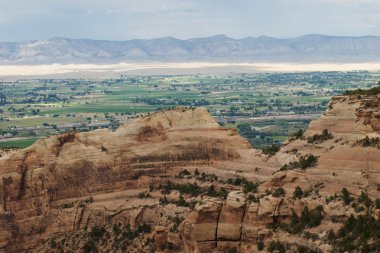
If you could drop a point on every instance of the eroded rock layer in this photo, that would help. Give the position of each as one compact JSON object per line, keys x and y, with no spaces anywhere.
{"x":45,"y":188}
{"x":175,"y":181}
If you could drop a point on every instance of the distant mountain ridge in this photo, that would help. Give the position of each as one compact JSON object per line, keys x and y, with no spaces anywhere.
{"x":308,"y":48}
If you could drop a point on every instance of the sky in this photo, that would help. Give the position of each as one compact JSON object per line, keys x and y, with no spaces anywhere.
{"x":145,"y":19}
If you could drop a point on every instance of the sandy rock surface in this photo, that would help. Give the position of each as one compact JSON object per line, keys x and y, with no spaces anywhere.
{"x":170,"y":170}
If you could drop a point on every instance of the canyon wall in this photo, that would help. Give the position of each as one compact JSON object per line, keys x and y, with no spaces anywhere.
{"x":175,"y":181}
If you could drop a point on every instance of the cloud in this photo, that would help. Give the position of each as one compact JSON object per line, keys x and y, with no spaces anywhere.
{"x":128,"y":19}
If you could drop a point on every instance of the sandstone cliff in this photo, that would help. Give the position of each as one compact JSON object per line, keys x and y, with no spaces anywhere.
{"x":343,"y":161}
{"x":75,"y":181}
{"x":174,"y":181}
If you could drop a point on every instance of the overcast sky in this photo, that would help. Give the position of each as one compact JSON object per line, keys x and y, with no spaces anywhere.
{"x":130,"y":19}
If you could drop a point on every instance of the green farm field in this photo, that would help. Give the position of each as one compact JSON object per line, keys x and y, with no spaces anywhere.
{"x":36,"y":108}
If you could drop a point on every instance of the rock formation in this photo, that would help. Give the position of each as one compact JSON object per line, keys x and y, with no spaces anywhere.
{"x":175,"y":181}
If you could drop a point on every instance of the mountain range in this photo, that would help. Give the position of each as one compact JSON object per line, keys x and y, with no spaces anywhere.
{"x":219,"y":48}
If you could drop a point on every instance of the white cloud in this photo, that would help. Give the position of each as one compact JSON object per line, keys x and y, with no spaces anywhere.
{"x":127,"y":19}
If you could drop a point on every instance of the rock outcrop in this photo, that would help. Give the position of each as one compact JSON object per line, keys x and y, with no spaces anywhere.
{"x":343,"y":161}
{"x":76,"y":180}
{"x":201,"y":187}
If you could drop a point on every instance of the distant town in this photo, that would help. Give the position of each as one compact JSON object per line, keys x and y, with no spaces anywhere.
{"x":265,"y":107}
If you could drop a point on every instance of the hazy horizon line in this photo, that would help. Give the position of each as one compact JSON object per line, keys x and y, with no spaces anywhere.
{"x":201,"y":37}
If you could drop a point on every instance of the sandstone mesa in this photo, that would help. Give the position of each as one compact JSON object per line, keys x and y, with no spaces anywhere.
{"x":98,"y":190}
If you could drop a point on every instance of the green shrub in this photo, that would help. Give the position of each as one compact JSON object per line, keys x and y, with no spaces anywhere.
{"x":68,"y":205}
{"x":172,"y":247}
{"x":217,"y":194}
{"x":144,"y":228}
{"x":307,"y":161}
{"x":97,"y":232}
{"x":304,"y":162}
{"x":260,"y":245}
{"x":369,"y":142}
{"x":95,"y":235}
{"x":346,"y":196}
{"x":190,"y":189}
{"x":276,"y":247}
{"x":364,"y":199}
{"x":248,"y":186}
{"x":377,"y":203}
{"x":237,"y":181}
{"x":206,"y":177}
{"x":116,"y":229}
{"x":303,"y":249}
{"x":272,"y":150}
{"x":143,"y":195}
{"x":362,"y":232}
{"x":179,"y":202}
{"x":164,"y":201}
{"x":53,"y":243}
{"x":89,"y":246}
{"x":319,"y":138}
{"x":331,"y":198}
{"x":308,"y":235}
{"x":297,"y":135}
{"x":278,"y":192}
{"x":331,"y":235}
{"x":369,"y":92}
{"x":253,"y":199}
{"x":308,"y":219}
{"x":298,"y":193}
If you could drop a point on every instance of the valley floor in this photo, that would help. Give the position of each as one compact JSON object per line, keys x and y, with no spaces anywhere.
{"x":174,"y":68}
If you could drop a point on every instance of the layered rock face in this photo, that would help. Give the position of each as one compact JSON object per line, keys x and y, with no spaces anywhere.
{"x":237,"y":224}
{"x":45,"y":189}
{"x":343,"y":160}
{"x":199,"y":188}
